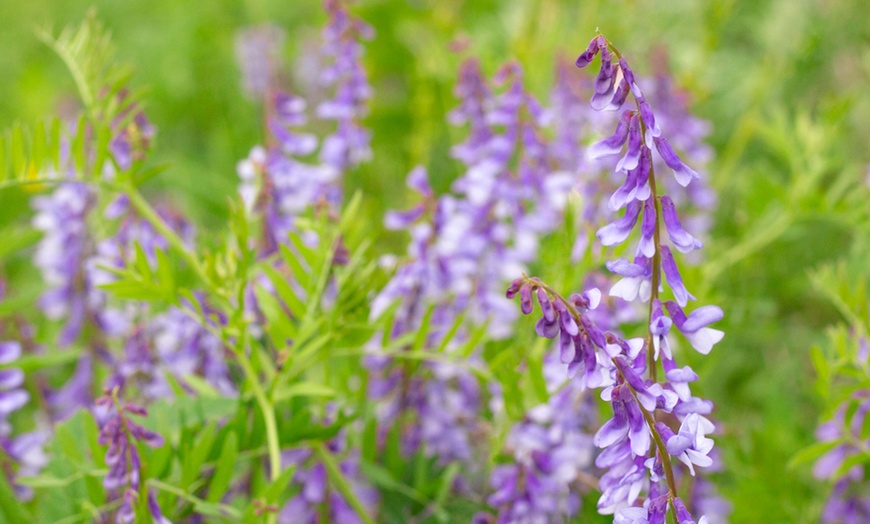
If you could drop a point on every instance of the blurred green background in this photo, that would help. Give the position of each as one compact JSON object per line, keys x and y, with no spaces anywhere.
{"x":784,"y":83}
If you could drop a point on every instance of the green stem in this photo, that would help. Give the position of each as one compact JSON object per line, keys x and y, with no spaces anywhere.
{"x":148,"y":213}
{"x":341,"y":482}
{"x":272,"y":443}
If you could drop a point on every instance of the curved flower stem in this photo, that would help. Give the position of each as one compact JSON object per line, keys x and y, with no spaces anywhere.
{"x":667,"y":465}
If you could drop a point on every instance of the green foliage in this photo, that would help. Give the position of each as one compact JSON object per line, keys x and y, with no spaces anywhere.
{"x":783,"y":82}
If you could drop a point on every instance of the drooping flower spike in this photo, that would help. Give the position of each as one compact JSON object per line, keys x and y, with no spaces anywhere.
{"x":637,"y":448}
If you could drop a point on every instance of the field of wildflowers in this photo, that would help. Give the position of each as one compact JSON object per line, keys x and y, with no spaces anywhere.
{"x":419,"y":261}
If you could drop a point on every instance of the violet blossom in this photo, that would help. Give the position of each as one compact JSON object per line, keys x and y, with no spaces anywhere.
{"x":121,"y":434}
{"x":626,"y":369}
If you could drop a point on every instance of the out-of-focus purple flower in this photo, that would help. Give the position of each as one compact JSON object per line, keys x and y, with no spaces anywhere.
{"x":307,"y":506}
{"x":343,"y":73}
{"x":25,"y":451}
{"x":120,"y":433}
{"x":258,"y":51}
{"x":286,"y":180}
{"x":12,"y":394}
{"x":464,"y":247}
{"x":62,"y":217}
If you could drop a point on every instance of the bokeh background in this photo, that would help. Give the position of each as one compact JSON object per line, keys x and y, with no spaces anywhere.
{"x":783,"y":82}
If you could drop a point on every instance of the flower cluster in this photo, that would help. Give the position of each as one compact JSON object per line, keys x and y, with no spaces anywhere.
{"x":120,"y":434}
{"x":638,"y":443}
{"x":23,"y":453}
{"x":284,"y":181}
{"x":463,"y":247}
{"x":258,"y":50}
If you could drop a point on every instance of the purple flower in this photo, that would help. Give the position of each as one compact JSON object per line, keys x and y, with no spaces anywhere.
{"x":681,"y":239}
{"x":690,"y":445}
{"x":258,"y":51}
{"x":683,"y":173}
{"x":120,"y":433}
{"x":694,"y":327}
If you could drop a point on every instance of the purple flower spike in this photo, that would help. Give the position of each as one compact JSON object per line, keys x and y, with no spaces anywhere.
{"x":638,"y":433}
{"x":613,"y":144}
{"x":680,"y":378}
{"x":644,"y":396}
{"x":627,"y":191}
{"x":683,"y":241}
{"x":616,"y":232}
{"x":675,"y":281}
{"x":399,"y":220}
{"x":620,"y":95}
{"x":646,"y":246}
{"x":658,"y":510}
{"x":683,"y":173}
{"x":154,"y":509}
{"x":586,"y":56}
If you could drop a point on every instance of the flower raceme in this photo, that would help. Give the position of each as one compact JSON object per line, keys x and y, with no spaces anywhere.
{"x":120,"y":434}
{"x":638,"y":443}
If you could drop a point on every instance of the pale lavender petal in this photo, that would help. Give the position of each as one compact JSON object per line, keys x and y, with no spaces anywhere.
{"x":618,"y":231}
{"x":683,"y":241}
{"x":683,"y":173}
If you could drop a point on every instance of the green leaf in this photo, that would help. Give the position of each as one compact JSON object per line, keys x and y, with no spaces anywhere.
{"x":297,"y":308}
{"x":9,"y":504}
{"x":382,"y":477}
{"x":810,"y":453}
{"x":194,"y":458}
{"x":303,"y":389}
{"x":336,"y":476}
{"x":226,"y":467}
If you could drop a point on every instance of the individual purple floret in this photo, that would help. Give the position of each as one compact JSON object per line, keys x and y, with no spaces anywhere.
{"x":121,"y":434}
